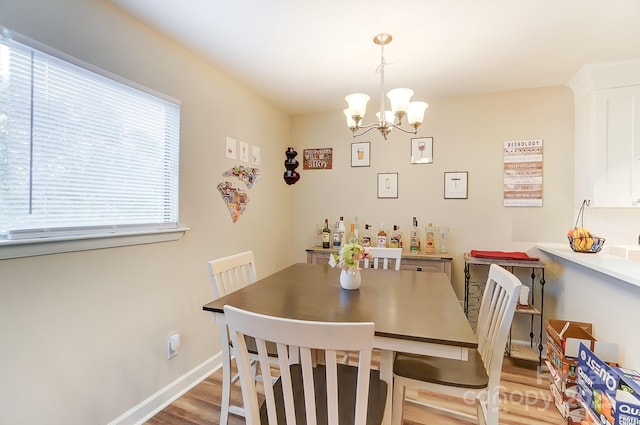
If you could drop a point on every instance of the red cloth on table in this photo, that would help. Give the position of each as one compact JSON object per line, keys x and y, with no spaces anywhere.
{"x":501,"y":255}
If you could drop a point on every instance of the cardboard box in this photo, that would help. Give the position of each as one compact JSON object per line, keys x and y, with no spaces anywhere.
{"x":566,"y":402}
{"x":568,"y":335}
{"x":609,"y":393}
{"x":556,"y":378}
{"x":564,"y":368}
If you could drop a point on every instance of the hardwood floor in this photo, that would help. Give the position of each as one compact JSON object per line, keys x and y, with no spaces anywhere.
{"x":524,"y":400}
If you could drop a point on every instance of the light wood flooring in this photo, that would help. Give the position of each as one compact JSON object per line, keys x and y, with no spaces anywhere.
{"x":524,"y":400}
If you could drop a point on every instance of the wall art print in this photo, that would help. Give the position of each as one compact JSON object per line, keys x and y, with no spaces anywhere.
{"x":235,"y":199}
{"x":248,"y":175}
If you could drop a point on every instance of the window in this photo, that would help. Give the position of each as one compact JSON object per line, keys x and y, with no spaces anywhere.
{"x":81,"y":152}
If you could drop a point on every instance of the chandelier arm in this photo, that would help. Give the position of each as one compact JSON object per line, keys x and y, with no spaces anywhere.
{"x":415,"y":130}
{"x":368,"y":129}
{"x":369,"y":126}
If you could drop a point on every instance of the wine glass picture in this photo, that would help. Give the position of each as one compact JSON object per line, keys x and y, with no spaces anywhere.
{"x":422,"y":150}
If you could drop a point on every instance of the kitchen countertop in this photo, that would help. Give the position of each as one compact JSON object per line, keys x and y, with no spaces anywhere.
{"x":611,"y":265}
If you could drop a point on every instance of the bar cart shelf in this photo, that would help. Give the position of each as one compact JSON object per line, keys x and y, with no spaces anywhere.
{"x":473,"y":295}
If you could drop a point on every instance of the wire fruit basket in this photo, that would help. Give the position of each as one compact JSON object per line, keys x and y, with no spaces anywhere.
{"x":590,"y":244}
{"x":584,"y":241}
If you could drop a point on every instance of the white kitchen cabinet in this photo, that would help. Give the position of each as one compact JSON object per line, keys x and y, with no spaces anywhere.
{"x":607,"y":131}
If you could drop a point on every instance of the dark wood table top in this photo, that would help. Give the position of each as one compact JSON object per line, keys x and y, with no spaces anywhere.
{"x":405,"y":305}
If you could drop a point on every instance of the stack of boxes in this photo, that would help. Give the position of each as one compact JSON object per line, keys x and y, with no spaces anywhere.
{"x":563,"y":345}
{"x":610,"y":395}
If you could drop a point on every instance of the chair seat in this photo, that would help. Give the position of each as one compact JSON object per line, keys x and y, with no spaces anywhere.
{"x":347,"y":381}
{"x":438,"y":370}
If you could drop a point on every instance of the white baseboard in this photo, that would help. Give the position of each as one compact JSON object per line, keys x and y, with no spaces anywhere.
{"x":145,"y":410}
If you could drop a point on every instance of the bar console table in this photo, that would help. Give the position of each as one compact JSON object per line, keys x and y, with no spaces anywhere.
{"x":473,"y":295}
{"x":410,"y":261}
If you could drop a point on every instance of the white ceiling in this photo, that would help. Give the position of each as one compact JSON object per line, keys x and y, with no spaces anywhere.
{"x":306,"y":55}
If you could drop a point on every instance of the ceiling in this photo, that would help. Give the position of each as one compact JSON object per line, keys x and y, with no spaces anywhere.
{"x":305,"y":56}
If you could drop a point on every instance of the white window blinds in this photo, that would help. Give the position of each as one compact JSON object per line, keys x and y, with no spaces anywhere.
{"x":81,"y":152}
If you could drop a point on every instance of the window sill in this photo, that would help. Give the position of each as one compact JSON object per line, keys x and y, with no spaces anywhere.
{"x":34,"y":247}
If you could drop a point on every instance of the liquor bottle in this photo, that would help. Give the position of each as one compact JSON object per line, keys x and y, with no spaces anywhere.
{"x":430,"y":240}
{"x":382,"y":237}
{"x":396,"y":238}
{"x":343,"y":232}
{"x":444,"y":234}
{"x":355,"y":231}
{"x":367,"y":237}
{"x":326,"y":235}
{"x":415,"y":237}
{"x":337,"y":236}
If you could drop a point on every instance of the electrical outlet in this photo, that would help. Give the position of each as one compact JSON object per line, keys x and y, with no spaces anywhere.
{"x":173,"y":345}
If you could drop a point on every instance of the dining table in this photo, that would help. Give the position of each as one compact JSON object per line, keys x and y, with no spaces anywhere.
{"x":413,"y":311}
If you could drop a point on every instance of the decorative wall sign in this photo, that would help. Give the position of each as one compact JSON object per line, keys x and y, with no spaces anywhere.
{"x":317,"y":159}
{"x":360,"y":154}
{"x":235,"y":198}
{"x":456,"y":185}
{"x":387,"y":185}
{"x":523,"y":173}
{"x":247,"y":174}
{"x":422,"y":150}
{"x":231,"y":148}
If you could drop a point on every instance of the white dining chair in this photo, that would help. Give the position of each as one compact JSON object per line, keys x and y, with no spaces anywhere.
{"x":228,"y":274}
{"x":306,"y":393}
{"x":477,"y":380}
{"x":231,"y":273}
{"x":380,"y":258}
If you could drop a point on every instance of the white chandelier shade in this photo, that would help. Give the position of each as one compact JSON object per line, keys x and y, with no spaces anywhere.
{"x":400,"y":102}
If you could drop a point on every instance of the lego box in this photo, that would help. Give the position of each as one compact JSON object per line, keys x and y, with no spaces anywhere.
{"x":611,"y":394}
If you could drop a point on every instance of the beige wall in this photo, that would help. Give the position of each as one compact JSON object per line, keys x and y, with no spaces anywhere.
{"x":83,"y":335}
{"x":468,"y":136}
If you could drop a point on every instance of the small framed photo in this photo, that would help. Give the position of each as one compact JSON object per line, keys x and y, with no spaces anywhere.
{"x":244,"y":152}
{"x":387,"y":185}
{"x":455,"y":185}
{"x":255,"y":155}
{"x":231,"y":148}
{"x":422,"y":150}
{"x":360,"y":154}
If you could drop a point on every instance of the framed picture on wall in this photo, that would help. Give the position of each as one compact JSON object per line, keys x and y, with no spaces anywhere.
{"x":360,"y":154}
{"x":387,"y":185}
{"x":455,"y":185}
{"x":422,"y":150}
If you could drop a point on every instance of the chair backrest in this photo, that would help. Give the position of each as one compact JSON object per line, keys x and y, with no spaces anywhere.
{"x":297,"y":374}
{"x":231,"y":273}
{"x":381,"y":256}
{"x":497,"y":308}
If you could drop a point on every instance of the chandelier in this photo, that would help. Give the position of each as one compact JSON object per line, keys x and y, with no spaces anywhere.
{"x":400,"y":104}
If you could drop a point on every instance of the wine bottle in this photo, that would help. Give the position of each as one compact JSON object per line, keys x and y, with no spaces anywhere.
{"x":382,"y":237}
{"x":326,"y":235}
{"x":415,"y":237}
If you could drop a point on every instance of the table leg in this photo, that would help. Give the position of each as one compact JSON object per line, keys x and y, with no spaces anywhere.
{"x":386,"y":374}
